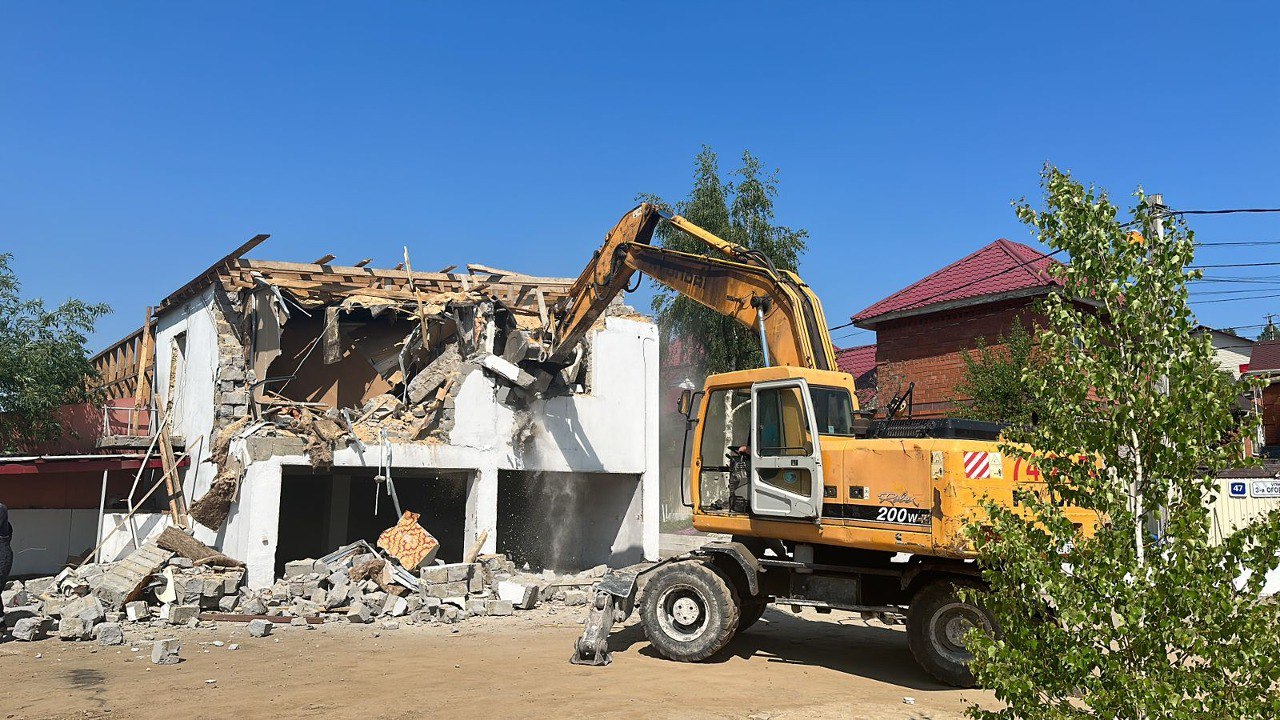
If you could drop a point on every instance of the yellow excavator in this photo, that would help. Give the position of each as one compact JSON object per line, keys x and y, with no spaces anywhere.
{"x":827,"y":507}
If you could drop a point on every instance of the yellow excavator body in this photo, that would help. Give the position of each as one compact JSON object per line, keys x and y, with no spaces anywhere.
{"x":911,"y":495}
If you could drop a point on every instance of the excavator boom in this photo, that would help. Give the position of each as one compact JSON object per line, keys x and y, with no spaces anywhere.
{"x":744,"y":285}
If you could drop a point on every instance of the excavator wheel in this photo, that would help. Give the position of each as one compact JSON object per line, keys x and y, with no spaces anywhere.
{"x":690,"y":610}
{"x":937,"y":621}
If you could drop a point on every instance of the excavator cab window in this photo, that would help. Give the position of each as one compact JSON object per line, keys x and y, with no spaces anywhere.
{"x":834,"y":410}
{"x":722,"y":471}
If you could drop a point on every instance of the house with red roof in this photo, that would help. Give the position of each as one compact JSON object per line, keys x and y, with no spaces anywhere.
{"x":860,"y":362}
{"x":923,"y":329}
{"x":1264,"y":362}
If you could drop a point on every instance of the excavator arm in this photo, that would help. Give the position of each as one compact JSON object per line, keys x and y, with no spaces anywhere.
{"x":744,"y":285}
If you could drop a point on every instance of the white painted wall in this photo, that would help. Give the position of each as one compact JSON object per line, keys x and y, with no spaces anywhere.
{"x":193,"y":407}
{"x":43,"y":539}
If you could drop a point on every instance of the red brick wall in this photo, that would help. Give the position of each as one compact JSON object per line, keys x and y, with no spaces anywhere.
{"x":1271,"y":413}
{"x":927,"y":350}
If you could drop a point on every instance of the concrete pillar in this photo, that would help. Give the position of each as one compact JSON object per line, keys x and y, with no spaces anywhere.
{"x":482,"y":509}
{"x":255,"y":522}
{"x":651,"y":495}
{"x":339,"y":511}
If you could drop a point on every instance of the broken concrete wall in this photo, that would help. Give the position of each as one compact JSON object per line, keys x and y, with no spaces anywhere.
{"x":612,"y":432}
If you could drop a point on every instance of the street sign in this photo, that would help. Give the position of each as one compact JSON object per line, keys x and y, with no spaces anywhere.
{"x":1266,"y":489}
{"x":1238,"y":489}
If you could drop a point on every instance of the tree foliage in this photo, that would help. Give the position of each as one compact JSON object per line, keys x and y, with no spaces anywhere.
{"x":1270,"y":332}
{"x":741,"y":211}
{"x":994,"y":379}
{"x":1151,"y":617}
{"x":43,"y":361}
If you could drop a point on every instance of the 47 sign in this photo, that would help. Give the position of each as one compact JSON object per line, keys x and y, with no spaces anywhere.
{"x":1254,"y":488}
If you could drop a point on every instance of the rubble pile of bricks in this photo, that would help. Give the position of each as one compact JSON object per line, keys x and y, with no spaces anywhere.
{"x":88,"y":604}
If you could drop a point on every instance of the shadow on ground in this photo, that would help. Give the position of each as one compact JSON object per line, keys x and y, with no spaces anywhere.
{"x":848,"y":645}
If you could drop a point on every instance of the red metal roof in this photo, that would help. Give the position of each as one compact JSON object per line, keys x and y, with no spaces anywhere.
{"x":857,"y":361}
{"x":1001,"y":267}
{"x":1266,"y":356}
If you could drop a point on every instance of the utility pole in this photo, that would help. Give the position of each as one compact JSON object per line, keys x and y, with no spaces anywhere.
{"x":1156,"y":203}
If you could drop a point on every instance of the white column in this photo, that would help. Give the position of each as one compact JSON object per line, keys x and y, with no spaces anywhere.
{"x":482,"y":509}
{"x":256,"y":522}
{"x":651,"y":497}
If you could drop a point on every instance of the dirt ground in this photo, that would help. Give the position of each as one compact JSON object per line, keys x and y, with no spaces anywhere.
{"x":811,"y":666}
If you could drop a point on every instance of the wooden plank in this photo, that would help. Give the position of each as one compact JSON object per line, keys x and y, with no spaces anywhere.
{"x":205,"y":277}
{"x":142,"y":397}
{"x":422,"y":313}
{"x":364,"y":262}
{"x":542,"y":306}
{"x":324,"y":259}
{"x":447,"y":270}
{"x":170,"y":467}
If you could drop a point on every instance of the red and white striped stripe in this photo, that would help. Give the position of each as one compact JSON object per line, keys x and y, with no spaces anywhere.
{"x":977,"y":464}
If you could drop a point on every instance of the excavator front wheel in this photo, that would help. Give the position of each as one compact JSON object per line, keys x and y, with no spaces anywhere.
{"x":690,"y":610}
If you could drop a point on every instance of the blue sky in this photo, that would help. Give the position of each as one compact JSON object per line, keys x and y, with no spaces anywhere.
{"x":139,"y":142}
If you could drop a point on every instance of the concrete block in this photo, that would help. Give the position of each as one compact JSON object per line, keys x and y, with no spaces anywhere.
{"x":299,"y":568}
{"x":300,"y":622}
{"x":182,"y":614}
{"x":497,"y":606}
{"x":575,"y":597}
{"x":433,"y":574}
{"x":305,"y":608}
{"x":477,"y":606}
{"x":32,"y":629}
{"x":227,"y":603}
{"x":476,"y":583}
{"x":260,"y":628}
{"x":522,"y":596}
{"x":395,"y":606}
{"x":10,"y":598}
{"x":337,"y":596}
{"x":359,"y":613}
{"x":253,"y":605}
{"x":75,"y":628}
{"x":414,"y":603}
{"x":231,"y":582}
{"x":165,"y":652}
{"x":374,"y":600}
{"x":446,"y":589}
{"x":113,"y":616}
{"x":87,"y":608}
{"x":181,"y":562}
{"x":36,"y":587}
{"x":109,"y":634}
{"x":137,"y":611}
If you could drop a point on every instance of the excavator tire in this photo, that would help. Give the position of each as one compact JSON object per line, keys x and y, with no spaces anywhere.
{"x":937,"y":619}
{"x":690,"y":610}
{"x":751,"y":614}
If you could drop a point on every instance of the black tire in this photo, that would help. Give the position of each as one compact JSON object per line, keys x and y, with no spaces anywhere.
{"x":690,"y":610}
{"x":751,"y":613}
{"x":936,"y":620}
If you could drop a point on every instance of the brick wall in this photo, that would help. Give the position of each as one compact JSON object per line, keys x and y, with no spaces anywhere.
{"x":927,"y":350}
{"x":1271,"y":413}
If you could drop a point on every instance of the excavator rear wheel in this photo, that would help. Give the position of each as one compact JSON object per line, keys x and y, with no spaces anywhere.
{"x":690,"y":610}
{"x":937,"y":622}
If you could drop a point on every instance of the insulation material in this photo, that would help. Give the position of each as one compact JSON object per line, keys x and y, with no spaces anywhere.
{"x":408,"y":542}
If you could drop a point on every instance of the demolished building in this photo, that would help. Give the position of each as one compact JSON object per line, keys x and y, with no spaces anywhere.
{"x":313,"y":403}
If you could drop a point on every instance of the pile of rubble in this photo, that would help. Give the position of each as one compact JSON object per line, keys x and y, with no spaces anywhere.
{"x":355,"y":584}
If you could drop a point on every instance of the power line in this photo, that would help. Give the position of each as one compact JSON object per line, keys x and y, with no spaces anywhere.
{"x":1245,"y":243}
{"x":1235,"y":265}
{"x":1234,"y":299}
{"x":1232,"y":211}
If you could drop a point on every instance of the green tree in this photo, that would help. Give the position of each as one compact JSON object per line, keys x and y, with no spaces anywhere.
{"x":740,"y":211}
{"x":43,"y":362}
{"x":1149,"y":617}
{"x":995,"y":378}
{"x":1270,"y":332}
